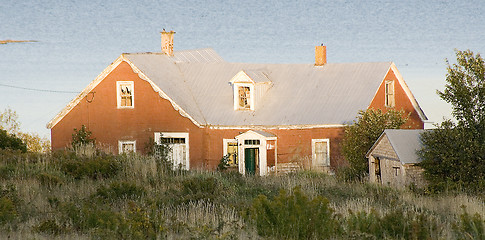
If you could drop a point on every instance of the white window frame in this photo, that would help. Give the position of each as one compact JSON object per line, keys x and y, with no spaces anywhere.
{"x":236,"y":96}
{"x":389,"y":97}
{"x":314,"y":155}
{"x":185,"y":135}
{"x":120,"y":146}
{"x":118,"y":94}
{"x":225,"y":143}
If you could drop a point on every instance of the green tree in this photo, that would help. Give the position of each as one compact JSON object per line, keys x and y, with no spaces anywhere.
{"x":10,"y":141}
{"x":82,"y":137}
{"x":35,"y":143}
{"x":362,"y":134}
{"x":454,"y":153}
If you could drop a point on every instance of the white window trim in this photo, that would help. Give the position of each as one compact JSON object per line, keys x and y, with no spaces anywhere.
{"x":236,"y":96}
{"x":120,"y":146}
{"x":314,"y":156}
{"x":392,"y":103}
{"x":118,"y":97}
{"x":177,"y":135}
{"x":225,"y":143}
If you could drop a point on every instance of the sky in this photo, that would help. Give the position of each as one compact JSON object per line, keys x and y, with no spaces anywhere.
{"x":76,"y":40}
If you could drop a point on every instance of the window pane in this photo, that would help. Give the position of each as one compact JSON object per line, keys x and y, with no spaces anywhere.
{"x":232,"y":152}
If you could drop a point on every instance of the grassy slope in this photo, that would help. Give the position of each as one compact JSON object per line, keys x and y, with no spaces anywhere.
{"x":88,"y":195}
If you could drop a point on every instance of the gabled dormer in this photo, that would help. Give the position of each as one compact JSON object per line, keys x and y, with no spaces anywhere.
{"x":249,"y":87}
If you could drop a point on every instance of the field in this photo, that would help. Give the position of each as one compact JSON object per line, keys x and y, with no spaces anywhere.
{"x":92,"y":195}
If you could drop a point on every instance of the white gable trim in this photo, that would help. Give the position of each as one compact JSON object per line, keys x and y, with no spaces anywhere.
{"x":408,"y":92}
{"x":101,"y":77}
{"x":161,"y":93}
{"x":84,"y":92}
{"x":241,"y":77}
{"x":406,"y":89}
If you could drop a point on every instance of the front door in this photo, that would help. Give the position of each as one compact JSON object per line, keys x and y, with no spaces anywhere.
{"x":250,"y":157}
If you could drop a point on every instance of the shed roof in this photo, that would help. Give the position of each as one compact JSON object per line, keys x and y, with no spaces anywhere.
{"x":405,"y":143}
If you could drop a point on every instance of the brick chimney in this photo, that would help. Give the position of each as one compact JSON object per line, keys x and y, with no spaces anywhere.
{"x":320,"y":55}
{"x":167,"y":42}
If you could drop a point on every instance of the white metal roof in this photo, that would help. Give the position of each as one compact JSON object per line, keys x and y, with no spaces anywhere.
{"x":302,"y":94}
{"x":197,"y":82}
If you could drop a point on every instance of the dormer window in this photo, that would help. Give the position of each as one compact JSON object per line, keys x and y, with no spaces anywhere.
{"x":244,"y":97}
{"x":246,"y":84}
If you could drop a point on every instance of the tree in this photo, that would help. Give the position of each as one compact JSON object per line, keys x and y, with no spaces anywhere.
{"x":35,"y":143}
{"x":454,"y":153}
{"x":362,"y":134}
{"x":12,"y":142}
{"x":81,"y":137}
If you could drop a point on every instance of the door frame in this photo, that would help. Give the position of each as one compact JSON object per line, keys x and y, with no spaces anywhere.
{"x":185,"y":135}
{"x":254,"y":135}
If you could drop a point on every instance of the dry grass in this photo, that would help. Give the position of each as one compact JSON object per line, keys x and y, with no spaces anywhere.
{"x":170,"y":204}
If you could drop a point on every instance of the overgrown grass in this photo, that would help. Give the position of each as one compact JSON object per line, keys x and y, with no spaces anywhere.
{"x":91,"y":195}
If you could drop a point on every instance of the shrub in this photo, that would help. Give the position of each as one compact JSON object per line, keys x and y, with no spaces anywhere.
{"x":9,"y":204}
{"x":99,"y":167}
{"x":396,"y":224}
{"x":8,"y":211}
{"x":470,"y":226}
{"x":200,"y":188}
{"x":123,"y":190}
{"x":50,"y":226}
{"x":81,"y":137}
{"x":10,"y":141}
{"x":223,"y":163}
{"x":49,"y":180}
{"x":294,"y":216}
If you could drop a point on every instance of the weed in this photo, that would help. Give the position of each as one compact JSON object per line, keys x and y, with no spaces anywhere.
{"x":294,"y":216}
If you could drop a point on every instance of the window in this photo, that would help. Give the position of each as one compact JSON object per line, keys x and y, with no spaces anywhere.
{"x":251,"y":142}
{"x":126,"y":146}
{"x":396,"y":171}
{"x":230,"y":150}
{"x":179,"y":147}
{"x":320,"y":152}
{"x":125,"y":94}
{"x":244,"y":97}
{"x":389,"y":101}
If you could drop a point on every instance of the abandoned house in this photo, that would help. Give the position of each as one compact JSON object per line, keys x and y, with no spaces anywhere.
{"x":393,"y":158}
{"x":265,"y":117}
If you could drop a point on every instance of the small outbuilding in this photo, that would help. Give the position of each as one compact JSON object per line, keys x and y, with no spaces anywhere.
{"x":393,"y":158}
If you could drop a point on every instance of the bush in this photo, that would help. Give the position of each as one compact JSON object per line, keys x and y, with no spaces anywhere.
{"x":99,"y":167}
{"x":470,"y":226}
{"x":8,"y":141}
{"x":395,"y":224}
{"x":200,"y":188}
{"x":294,"y":216}
{"x":9,"y":203}
{"x":50,"y":226}
{"x":49,"y":180}
{"x":123,"y":190}
{"x":8,"y":210}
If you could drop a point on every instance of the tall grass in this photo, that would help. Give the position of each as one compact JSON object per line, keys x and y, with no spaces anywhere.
{"x":91,"y":195}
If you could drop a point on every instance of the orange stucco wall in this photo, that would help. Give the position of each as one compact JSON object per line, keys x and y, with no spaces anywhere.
{"x":151,"y":113}
{"x":402,"y":102}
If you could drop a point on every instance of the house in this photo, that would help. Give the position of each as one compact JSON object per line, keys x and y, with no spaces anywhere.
{"x":265,"y":117}
{"x":393,"y":158}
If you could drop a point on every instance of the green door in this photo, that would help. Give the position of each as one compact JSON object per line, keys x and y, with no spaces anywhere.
{"x":250,"y":160}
